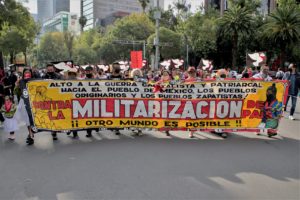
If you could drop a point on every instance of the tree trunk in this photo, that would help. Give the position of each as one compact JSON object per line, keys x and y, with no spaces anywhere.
{"x":11,"y":57}
{"x":234,"y":51}
{"x":25,"y":56}
{"x":1,"y":60}
{"x":282,"y":56}
{"x":222,"y":7}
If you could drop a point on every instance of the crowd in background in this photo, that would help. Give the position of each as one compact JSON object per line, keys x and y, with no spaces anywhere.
{"x":12,"y":85}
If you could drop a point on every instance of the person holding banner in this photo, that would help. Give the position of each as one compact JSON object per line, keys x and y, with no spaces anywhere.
{"x":161,"y":84}
{"x":89,"y":75}
{"x":192,"y":77}
{"x":23,"y":106}
{"x":116,"y":75}
{"x":294,"y":79}
{"x":72,"y":75}
{"x":51,"y":74}
{"x":263,"y":74}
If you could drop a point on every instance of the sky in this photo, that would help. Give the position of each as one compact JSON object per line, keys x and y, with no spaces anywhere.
{"x":31,"y":5}
{"x":194,"y":3}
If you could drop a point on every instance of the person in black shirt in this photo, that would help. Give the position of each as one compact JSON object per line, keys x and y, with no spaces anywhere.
{"x":116,"y":75}
{"x":89,"y":74}
{"x":51,"y":74}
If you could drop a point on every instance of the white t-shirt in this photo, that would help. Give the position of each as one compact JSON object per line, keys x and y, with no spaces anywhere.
{"x":260,"y":76}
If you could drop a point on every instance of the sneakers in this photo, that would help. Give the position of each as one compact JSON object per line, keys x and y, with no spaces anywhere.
{"x":167,"y":133}
{"x":29,"y":141}
{"x":262,"y":125}
{"x":11,"y":137}
{"x":291,"y":117}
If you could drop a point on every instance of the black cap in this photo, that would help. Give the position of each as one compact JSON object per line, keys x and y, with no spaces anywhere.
{"x":89,"y":68}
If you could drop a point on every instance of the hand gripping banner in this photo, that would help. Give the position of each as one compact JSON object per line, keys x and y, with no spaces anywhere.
{"x":228,"y":104}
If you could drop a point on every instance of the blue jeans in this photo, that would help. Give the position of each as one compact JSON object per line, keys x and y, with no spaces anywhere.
{"x":294,"y":102}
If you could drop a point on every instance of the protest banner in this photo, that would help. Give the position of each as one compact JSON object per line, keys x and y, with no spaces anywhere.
{"x":233,"y":104}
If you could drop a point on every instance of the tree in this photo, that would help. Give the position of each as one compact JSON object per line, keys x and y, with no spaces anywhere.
{"x":174,"y":41}
{"x":168,"y":19}
{"x":69,"y":41}
{"x":52,"y":48}
{"x":201,"y":32}
{"x":235,"y":22}
{"x":183,"y":9}
{"x":85,"y":47}
{"x":15,"y":19}
{"x":282,"y":28}
{"x":135,"y":27}
{"x":82,"y":22}
{"x":144,"y":4}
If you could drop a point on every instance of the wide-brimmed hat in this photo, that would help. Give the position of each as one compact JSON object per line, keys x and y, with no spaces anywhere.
{"x":191,"y":69}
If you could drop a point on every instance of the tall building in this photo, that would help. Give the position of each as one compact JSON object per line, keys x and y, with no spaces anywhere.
{"x":97,"y":10}
{"x":31,"y":6}
{"x":193,"y":5}
{"x":45,"y":9}
{"x":61,"y":5}
{"x":75,"y":7}
{"x":57,"y":23}
{"x":48,"y":8}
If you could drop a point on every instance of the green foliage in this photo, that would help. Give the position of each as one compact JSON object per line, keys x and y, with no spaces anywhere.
{"x":82,"y":22}
{"x":17,"y":28}
{"x":144,"y":4}
{"x":251,"y":5}
{"x":135,"y":27}
{"x":169,"y":37}
{"x":236,"y":21}
{"x":168,"y":19}
{"x":85,"y":47}
{"x":52,"y":48}
{"x":282,"y":28}
{"x":201,"y":32}
{"x":69,"y":42}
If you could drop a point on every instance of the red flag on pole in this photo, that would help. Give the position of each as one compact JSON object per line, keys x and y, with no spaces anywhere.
{"x":136,"y":59}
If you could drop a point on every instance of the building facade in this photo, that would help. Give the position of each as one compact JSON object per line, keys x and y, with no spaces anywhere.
{"x":45,"y":9}
{"x":57,"y":23}
{"x":97,"y":10}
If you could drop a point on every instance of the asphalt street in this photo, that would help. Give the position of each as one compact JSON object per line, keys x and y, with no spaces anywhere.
{"x":152,"y":166}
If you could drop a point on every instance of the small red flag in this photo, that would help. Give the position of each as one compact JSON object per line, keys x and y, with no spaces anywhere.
{"x":136,"y":59}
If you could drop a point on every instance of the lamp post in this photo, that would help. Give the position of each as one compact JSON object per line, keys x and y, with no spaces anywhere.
{"x":157,"y":16}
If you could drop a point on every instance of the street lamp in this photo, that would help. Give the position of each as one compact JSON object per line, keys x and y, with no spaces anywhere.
{"x":157,"y":16}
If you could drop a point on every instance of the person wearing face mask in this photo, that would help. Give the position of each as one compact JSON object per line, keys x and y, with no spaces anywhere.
{"x":23,"y":110}
{"x":51,"y":74}
{"x":72,"y":75}
{"x":116,"y":75}
{"x":89,"y":72}
{"x":263,"y":74}
{"x":89,"y":75}
{"x":160,"y":85}
{"x":294,"y":80}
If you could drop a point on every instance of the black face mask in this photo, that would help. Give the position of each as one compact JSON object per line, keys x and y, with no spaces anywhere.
{"x":290,"y":69}
{"x":89,"y":75}
{"x":51,"y":73}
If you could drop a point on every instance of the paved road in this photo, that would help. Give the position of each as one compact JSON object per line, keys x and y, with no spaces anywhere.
{"x":153,"y":166}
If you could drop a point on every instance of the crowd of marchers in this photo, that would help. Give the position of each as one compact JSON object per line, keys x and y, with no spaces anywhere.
{"x":13,"y":104}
